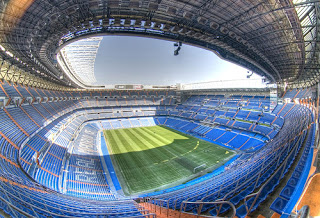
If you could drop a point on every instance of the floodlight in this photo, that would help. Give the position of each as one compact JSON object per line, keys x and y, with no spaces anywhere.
{"x":248,"y":76}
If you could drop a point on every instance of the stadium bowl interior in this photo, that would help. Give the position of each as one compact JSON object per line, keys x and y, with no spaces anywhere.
{"x":72,"y":149}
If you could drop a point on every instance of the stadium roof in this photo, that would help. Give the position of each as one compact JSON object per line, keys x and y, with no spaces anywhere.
{"x":80,"y":57}
{"x":276,"y":39}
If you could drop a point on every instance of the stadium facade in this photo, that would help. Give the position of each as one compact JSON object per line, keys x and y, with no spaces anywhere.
{"x":56,"y":162}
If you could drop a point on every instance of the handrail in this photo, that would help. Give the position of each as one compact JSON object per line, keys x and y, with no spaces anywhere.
{"x":161,"y":201}
{"x":257,"y":179}
{"x":32,"y":206}
{"x":303,"y":212}
{"x":211,"y":188}
{"x":263,"y":168}
{"x":281,"y":167}
{"x":82,"y":208}
{"x":210,"y":203}
{"x":305,"y":189}
{"x":278,"y":155}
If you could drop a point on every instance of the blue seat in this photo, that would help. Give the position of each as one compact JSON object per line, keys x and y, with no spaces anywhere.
{"x":292,"y":182}
{"x":278,"y":205}
{"x":241,"y":212}
{"x":236,"y":199}
{"x":224,"y":208}
{"x":287,"y":191}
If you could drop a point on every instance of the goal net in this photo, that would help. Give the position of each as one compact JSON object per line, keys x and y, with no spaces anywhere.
{"x":199,"y":168}
{"x":190,"y":165}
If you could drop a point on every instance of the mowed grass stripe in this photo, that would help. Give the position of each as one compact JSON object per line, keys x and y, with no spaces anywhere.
{"x":154,"y":155}
{"x":129,"y":161}
{"x":135,"y":160}
{"x":171,"y":150}
{"x":146,"y":158}
{"x":130,"y":168}
{"x":134,"y":163}
{"x":163,"y":153}
{"x":146,"y":145}
{"x":113,"y":139}
{"x":175,"y":149}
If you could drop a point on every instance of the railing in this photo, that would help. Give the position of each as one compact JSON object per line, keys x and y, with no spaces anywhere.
{"x":255,"y":179}
{"x":14,"y":196}
{"x":281,"y":168}
{"x":303,"y":212}
{"x":157,"y":202}
{"x":184,"y":203}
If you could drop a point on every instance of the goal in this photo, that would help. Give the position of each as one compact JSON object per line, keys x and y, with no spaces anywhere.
{"x":199,"y":168}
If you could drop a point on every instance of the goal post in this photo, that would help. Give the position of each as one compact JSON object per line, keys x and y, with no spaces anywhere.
{"x":199,"y":168}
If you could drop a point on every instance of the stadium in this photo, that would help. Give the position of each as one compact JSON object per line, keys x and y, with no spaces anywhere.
{"x":72,"y":148}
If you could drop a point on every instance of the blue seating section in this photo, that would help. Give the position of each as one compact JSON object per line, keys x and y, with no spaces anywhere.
{"x":235,"y":101}
{"x":292,"y":191}
{"x":10,"y":89}
{"x":84,"y":175}
{"x":298,"y":93}
{"x":254,"y":120}
{"x":10,"y":130}
{"x":234,"y":139}
{"x":63,"y":156}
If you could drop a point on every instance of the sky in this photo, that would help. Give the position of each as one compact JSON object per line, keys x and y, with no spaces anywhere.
{"x":148,"y":61}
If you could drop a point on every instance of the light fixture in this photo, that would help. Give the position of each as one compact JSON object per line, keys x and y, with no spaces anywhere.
{"x":178,"y":45}
{"x":249,"y":75}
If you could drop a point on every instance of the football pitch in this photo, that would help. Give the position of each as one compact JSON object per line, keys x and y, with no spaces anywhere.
{"x":157,"y":157}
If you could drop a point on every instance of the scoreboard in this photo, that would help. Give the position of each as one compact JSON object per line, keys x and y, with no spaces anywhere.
{"x":130,"y":87}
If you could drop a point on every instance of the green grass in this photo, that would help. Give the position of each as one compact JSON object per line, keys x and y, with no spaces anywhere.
{"x":157,"y":157}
